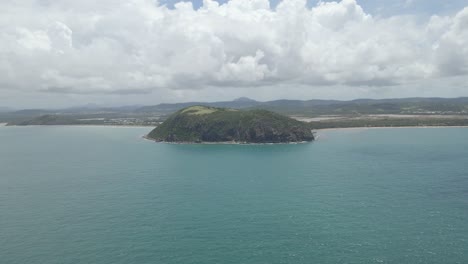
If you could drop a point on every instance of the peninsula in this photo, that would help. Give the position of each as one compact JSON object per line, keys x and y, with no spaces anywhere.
{"x":198,"y":124}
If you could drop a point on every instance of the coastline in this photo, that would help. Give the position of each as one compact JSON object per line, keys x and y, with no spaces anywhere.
{"x":382,"y":127}
{"x":145,"y":137}
{"x":78,"y":125}
{"x":228,"y":142}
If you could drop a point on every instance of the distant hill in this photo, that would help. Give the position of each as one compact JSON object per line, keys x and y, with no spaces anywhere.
{"x":212,"y":124}
{"x":239,"y":103}
{"x":244,"y":99}
{"x":297,"y":108}
{"x":333,"y":107}
{"x":45,"y":120}
{"x":288,"y":107}
{"x":369,"y":106}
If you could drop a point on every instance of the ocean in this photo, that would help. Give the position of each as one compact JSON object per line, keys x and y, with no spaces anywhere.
{"x":104,"y":195}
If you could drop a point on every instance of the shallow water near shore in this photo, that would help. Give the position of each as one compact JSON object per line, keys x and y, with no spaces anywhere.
{"x":105,"y":195}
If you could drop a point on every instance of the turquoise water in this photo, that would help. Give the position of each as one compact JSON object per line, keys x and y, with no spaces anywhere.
{"x":104,"y":195}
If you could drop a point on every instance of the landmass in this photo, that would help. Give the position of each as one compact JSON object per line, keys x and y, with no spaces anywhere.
{"x":320,"y":114}
{"x":95,"y":119}
{"x":200,"y":124}
{"x":390,"y":121}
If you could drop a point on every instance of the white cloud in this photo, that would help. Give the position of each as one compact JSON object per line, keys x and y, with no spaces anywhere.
{"x":117,"y":46}
{"x":408,"y":3}
{"x":451,"y":50}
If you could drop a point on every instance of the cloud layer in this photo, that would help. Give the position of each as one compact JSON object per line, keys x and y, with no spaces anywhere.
{"x":140,"y":46}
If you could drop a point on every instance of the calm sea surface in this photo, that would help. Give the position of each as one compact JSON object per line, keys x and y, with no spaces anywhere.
{"x":103,"y":195}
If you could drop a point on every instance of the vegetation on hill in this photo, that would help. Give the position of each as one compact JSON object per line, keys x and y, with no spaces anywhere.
{"x":211,"y":124}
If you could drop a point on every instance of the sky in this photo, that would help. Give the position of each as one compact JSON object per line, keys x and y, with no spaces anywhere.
{"x":62,"y":53}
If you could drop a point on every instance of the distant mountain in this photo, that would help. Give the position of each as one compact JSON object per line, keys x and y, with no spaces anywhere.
{"x":97,"y":108}
{"x":244,"y":99}
{"x":305,"y":108}
{"x":333,"y":107}
{"x":47,"y":120}
{"x":77,"y":110}
{"x":32,"y":111}
{"x":239,"y":103}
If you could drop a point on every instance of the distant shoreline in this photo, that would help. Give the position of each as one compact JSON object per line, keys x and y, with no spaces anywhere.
{"x":382,"y":127}
{"x":79,"y":125}
{"x":317,"y":129}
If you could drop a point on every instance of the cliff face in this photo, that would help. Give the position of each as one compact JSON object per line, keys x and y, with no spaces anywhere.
{"x":209,"y":124}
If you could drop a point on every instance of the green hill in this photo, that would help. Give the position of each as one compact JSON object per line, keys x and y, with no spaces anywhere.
{"x":212,"y":124}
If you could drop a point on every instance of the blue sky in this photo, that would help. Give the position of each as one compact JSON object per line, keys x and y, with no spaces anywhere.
{"x":381,"y":7}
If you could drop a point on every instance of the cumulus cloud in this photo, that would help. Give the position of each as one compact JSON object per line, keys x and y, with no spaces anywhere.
{"x":138,"y":46}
